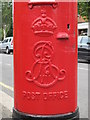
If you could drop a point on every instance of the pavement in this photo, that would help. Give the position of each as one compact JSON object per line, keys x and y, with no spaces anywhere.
{"x":5,"y":113}
{"x":6,"y":105}
{"x":6,"y":87}
{"x":83,"y":89}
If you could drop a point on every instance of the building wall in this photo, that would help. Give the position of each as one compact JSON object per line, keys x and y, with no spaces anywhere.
{"x":83,"y":28}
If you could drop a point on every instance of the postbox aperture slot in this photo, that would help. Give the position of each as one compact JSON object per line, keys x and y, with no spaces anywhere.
{"x":68,"y":26}
{"x":33,"y":3}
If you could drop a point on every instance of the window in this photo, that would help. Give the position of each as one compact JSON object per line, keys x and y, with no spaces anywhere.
{"x":88,"y":39}
{"x":6,"y":40}
{"x":10,"y":40}
{"x":79,"y":39}
{"x":84,"y":40}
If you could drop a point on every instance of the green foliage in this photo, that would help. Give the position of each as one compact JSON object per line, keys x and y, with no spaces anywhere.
{"x":1,"y":33}
{"x":83,"y":9}
{"x":10,"y":32}
{"x":7,"y":18}
{"x":6,"y":13}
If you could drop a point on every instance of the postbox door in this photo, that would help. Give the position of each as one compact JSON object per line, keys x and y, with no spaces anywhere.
{"x":45,"y":61}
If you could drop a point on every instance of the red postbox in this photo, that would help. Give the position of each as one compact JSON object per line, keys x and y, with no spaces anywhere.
{"x":45,"y":60}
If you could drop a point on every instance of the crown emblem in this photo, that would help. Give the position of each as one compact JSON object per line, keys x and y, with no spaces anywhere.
{"x":44,"y":26}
